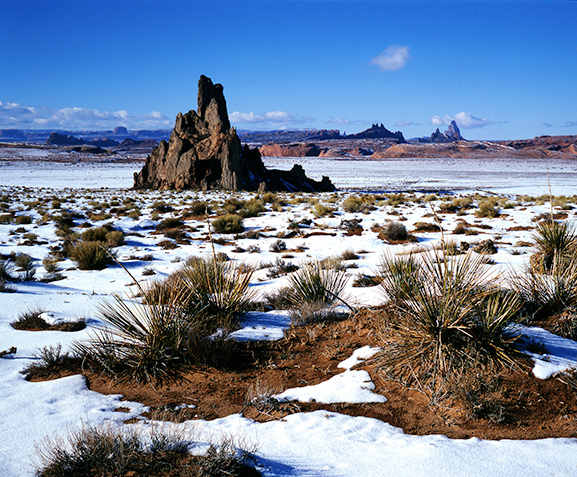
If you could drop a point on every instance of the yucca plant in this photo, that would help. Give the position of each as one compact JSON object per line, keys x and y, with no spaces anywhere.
{"x":449,"y":316}
{"x":551,"y":292}
{"x":141,"y":342}
{"x":317,"y":282}
{"x":398,"y":276}
{"x":554,"y":239}
{"x":215,"y":290}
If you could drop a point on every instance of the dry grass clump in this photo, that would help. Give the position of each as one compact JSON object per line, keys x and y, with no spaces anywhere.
{"x":449,"y":317}
{"x":106,"y":451}
{"x":51,"y":360}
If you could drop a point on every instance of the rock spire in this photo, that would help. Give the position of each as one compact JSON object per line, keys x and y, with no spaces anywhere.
{"x":204,"y":152}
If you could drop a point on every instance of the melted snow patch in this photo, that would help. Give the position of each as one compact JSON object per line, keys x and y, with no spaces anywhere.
{"x":350,"y":386}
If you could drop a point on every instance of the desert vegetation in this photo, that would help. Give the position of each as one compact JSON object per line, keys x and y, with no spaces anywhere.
{"x":186,"y":290}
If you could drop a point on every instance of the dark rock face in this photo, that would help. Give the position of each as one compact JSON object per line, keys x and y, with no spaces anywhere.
{"x":377,"y":131}
{"x":204,"y":152}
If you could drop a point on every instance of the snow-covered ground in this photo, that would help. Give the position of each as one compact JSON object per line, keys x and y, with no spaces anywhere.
{"x":319,"y":443}
{"x":504,"y":176}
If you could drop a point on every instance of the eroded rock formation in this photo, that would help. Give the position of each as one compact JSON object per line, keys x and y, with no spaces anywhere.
{"x":204,"y":152}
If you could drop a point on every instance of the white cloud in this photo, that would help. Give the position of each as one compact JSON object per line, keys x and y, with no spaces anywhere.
{"x":394,"y":58}
{"x":13,"y":115}
{"x":271,"y":117}
{"x":403,"y":124}
{"x":338,"y":121}
{"x":463,"y":120}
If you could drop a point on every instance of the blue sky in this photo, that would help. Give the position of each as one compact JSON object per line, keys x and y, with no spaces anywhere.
{"x":502,"y":69}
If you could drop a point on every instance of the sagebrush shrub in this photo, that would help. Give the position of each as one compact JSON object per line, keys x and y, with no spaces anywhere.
{"x":228,"y":224}
{"x":90,"y":255}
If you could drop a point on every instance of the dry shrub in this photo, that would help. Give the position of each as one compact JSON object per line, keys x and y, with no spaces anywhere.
{"x":228,"y":224}
{"x":90,"y":255}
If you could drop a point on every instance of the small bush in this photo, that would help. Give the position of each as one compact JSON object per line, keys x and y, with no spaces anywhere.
{"x":198,"y":208}
{"x":349,"y":255}
{"x":320,"y":210}
{"x":487,"y":208}
{"x":26,"y":264}
{"x":362,"y":281}
{"x":95,"y":234}
{"x":281,"y":268}
{"x":270,"y":197}
{"x":170,"y":223}
{"x":395,"y":232}
{"x":23,"y":220}
{"x":427,"y":227}
{"x":352,"y":204}
{"x":228,"y":224}
{"x":115,"y":238}
{"x":90,"y":256}
{"x":162,"y":207}
{"x":278,"y":246}
{"x":252,"y":208}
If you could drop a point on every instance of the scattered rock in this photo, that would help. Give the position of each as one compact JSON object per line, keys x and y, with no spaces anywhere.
{"x":204,"y":152}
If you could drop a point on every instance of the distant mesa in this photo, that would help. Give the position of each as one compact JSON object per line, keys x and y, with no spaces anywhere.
{"x":290,"y":150}
{"x":57,"y":139}
{"x":204,"y":152}
{"x":378,"y":131}
{"x":120,"y":131}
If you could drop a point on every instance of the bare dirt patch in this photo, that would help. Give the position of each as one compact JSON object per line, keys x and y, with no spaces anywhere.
{"x":527,"y":408}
